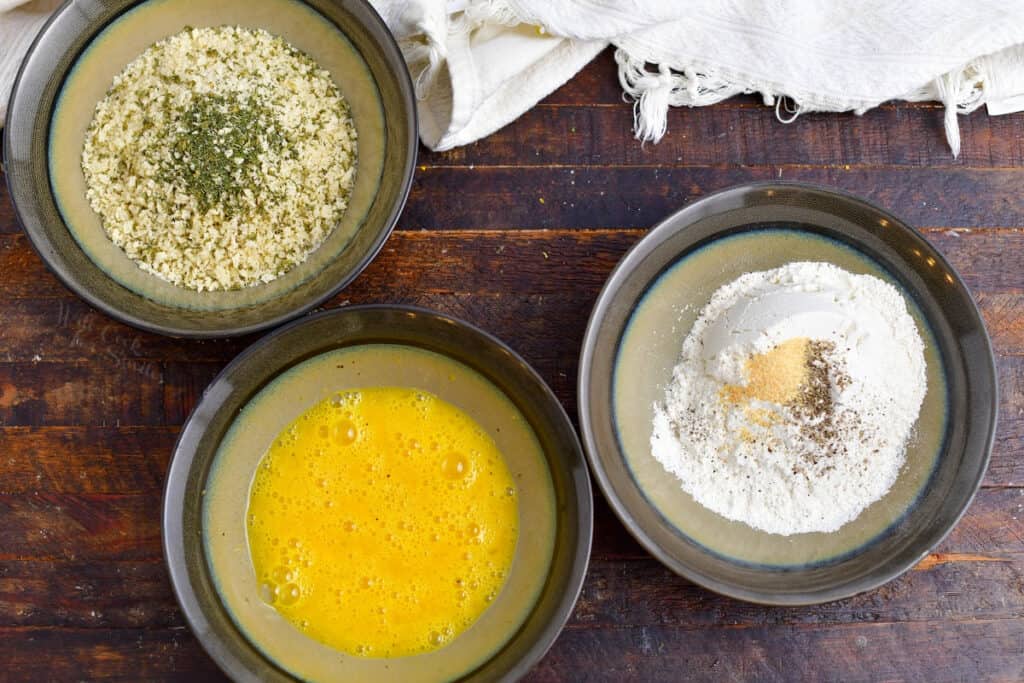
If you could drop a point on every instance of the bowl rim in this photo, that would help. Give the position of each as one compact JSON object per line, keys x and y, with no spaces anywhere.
{"x":375,"y":25}
{"x":673,"y":223}
{"x":182,"y":461}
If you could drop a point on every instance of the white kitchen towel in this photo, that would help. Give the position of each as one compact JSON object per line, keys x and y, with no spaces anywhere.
{"x":800,"y":55}
{"x":479,"y":64}
{"x":20,"y":21}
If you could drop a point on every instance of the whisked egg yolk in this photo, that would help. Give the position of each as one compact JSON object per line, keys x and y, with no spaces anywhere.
{"x":382,"y":522}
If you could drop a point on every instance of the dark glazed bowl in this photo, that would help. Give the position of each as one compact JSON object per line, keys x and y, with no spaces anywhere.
{"x":69,"y":33}
{"x":299,"y":341}
{"x":960,"y":341}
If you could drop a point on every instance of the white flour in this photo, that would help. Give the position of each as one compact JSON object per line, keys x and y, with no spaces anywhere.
{"x":794,"y":398}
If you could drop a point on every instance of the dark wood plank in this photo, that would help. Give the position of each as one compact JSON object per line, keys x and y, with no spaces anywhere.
{"x":87,"y":594}
{"x":505,"y":197}
{"x":618,"y":593}
{"x":597,"y":197}
{"x":144,"y":392}
{"x":489,"y":261}
{"x":980,"y":650}
{"x":642,"y":592}
{"x":133,"y":459}
{"x":81,"y":393}
{"x":130,"y":392}
{"x":57,"y":654}
{"x":992,"y":527}
{"x":42,"y":321}
{"x":744,"y":136}
{"x":114,"y":528}
{"x":913,"y":652}
{"x":92,"y":527}
{"x":147,"y":392}
{"x":8,"y":223}
{"x":91,"y":460}
{"x":975,"y":651}
{"x":66,"y":329}
{"x":470,"y":261}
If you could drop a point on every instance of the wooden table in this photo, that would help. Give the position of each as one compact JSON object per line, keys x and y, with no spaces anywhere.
{"x":516,"y":234}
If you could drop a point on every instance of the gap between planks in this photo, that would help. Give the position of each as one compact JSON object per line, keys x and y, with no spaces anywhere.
{"x":427,"y":167}
{"x":852,"y":625}
{"x":930,"y":561}
{"x":733,"y":103}
{"x":584,"y":626}
{"x":528,"y":232}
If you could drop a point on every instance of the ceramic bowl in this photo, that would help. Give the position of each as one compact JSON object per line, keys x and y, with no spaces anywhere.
{"x":207,"y":603}
{"x":634,"y":339}
{"x":69,"y":68}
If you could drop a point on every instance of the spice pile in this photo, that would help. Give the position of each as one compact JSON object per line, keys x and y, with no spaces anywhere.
{"x":795,"y":397}
{"x":220,"y":158}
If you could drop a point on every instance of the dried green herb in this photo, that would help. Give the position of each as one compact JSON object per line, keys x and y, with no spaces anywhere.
{"x":216,"y":149}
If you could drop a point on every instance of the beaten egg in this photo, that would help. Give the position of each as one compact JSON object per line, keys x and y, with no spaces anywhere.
{"x":382,"y":522}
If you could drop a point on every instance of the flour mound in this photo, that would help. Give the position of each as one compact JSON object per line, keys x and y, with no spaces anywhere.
{"x":795,"y":396}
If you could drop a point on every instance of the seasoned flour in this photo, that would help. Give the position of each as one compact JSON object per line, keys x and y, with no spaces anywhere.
{"x":796,"y":393}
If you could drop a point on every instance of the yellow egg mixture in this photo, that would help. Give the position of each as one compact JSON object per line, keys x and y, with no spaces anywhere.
{"x":382,"y":522}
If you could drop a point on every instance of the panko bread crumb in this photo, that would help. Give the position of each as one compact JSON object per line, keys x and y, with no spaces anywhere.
{"x":220,"y":158}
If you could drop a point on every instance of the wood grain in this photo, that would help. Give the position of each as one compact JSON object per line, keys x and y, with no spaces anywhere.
{"x":85,"y":460}
{"x":44,"y":322}
{"x":619,"y":592}
{"x":145,"y":392}
{"x":489,"y":261}
{"x":861,"y":651}
{"x":616,"y":197}
{"x":121,"y":527}
{"x":59,"y":654}
{"x":745,"y":136}
{"x":854,"y":652}
{"x":132,"y":459}
{"x":507,"y":198}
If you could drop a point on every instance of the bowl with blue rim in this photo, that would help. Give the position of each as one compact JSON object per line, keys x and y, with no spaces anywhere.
{"x":633,"y":340}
